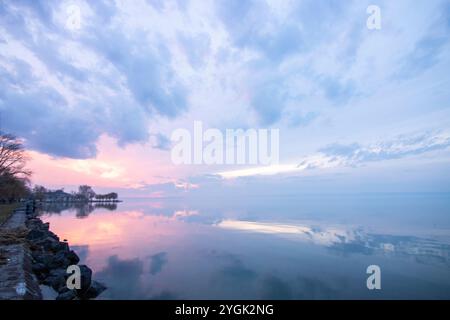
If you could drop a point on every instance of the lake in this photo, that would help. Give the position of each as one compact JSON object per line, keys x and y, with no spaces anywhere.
{"x":291,"y":247}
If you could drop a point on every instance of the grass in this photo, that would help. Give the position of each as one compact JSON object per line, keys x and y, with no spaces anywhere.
{"x":5,"y":211}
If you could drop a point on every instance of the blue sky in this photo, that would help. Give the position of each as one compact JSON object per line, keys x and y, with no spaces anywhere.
{"x":357,"y":109}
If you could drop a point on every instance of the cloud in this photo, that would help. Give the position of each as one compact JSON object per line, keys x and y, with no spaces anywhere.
{"x":402,"y":146}
{"x":349,"y":155}
{"x":156,"y":4}
{"x":251,"y":25}
{"x":354,"y":154}
{"x":61,"y":91}
{"x":161,"y":142}
{"x":302,"y":120}
{"x":268,"y":102}
{"x":185,"y":185}
{"x":427,"y":49}
{"x":196,"y":48}
{"x":337,"y":91}
{"x":43,"y":119}
{"x":136,"y":70}
{"x":145,"y":66}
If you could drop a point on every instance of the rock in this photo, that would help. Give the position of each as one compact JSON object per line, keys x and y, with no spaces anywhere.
{"x":36,"y":234}
{"x":39,"y":268}
{"x":43,"y":258}
{"x":73,"y":257}
{"x":59,"y":260}
{"x":94,"y":290}
{"x":58,"y":273}
{"x":63,"y":290}
{"x":67,"y":295}
{"x":47,"y":292}
{"x":55,"y":281}
{"x":51,"y":257}
{"x":52,"y":235}
{"x":47,"y":243}
{"x":60,"y":246}
{"x":86,"y":278}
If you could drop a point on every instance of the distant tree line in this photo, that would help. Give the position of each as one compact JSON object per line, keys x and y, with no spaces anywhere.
{"x":85,"y":194}
{"x":107,"y":197}
{"x":15,"y":178}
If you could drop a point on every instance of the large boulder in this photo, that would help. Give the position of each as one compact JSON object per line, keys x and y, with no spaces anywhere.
{"x":46,"y":243}
{"x":86,"y":278}
{"x":60,"y":246}
{"x":67,"y":295}
{"x":56,"y":279}
{"x":94,"y":290}
{"x":34,"y":234}
{"x":39,"y":268}
{"x":44,"y":258}
{"x":60,"y":260}
{"x":73,"y":257}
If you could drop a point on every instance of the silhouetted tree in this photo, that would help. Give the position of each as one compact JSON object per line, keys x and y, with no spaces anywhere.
{"x":13,"y":188}
{"x":39,"y":192}
{"x":86,"y":192}
{"x":13,"y":174}
{"x":12,"y":156}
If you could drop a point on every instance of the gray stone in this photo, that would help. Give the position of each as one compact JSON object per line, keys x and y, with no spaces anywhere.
{"x":73,"y":257}
{"x":86,"y":278}
{"x":55,"y":280}
{"x":39,"y":268}
{"x":58,"y":246}
{"x":67,"y":295}
{"x":94,"y":290}
{"x":36,"y":234}
{"x":59,"y":261}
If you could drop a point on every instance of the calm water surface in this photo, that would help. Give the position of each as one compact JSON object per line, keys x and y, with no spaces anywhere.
{"x":293,"y":247}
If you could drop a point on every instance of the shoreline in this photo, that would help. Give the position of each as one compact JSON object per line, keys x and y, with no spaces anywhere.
{"x":36,"y":257}
{"x":80,"y":201}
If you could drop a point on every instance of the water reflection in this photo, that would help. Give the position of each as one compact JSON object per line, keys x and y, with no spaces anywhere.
{"x":122,"y":277}
{"x":347,"y":240}
{"x":157,"y":250}
{"x":81,"y":209}
{"x":158,"y":261}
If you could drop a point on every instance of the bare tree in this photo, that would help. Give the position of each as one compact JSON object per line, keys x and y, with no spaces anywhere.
{"x":12,"y":156}
{"x":14,"y":177}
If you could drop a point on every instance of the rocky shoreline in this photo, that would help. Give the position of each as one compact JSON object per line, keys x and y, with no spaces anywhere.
{"x":34,"y":257}
{"x":51,"y":258}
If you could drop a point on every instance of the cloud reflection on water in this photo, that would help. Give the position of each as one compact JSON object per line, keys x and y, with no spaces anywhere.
{"x":182,"y":252}
{"x":348,"y":240}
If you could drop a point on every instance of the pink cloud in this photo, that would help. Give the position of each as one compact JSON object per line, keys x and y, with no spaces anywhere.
{"x":132,"y":166}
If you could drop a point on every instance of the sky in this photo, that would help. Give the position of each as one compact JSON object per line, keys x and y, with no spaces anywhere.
{"x":96,"y":89}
